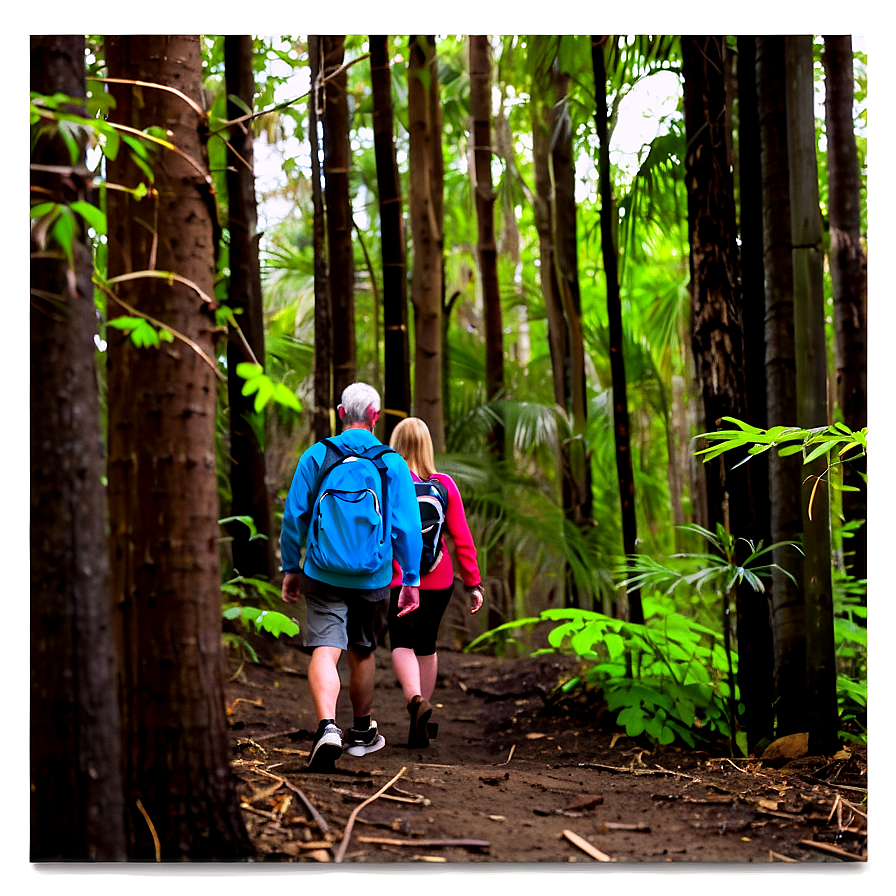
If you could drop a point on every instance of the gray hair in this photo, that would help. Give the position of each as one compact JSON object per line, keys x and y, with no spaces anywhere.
{"x":356,"y":399}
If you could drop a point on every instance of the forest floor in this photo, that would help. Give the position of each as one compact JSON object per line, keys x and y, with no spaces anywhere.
{"x":511,"y":778}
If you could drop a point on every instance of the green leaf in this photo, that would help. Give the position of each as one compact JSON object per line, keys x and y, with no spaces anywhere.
{"x":789,"y":449}
{"x":111,"y":145}
{"x":248,"y":370}
{"x":286,"y":397}
{"x":43,"y":208}
{"x":64,"y":232}
{"x":92,"y":215}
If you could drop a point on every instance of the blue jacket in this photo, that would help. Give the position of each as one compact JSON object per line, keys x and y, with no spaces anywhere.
{"x":407,"y":541}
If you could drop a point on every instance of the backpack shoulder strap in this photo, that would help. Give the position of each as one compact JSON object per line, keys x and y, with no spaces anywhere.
{"x":333,"y":456}
{"x":375,"y":455}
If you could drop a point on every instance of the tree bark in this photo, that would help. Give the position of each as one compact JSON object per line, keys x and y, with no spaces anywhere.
{"x":162,"y":479}
{"x":249,"y":491}
{"x":397,"y":386}
{"x":77,"y":802}
{"x":849,"y":277}
{"x":337,"y":159}
{"x":785,"y":473}
{"x":546,"y":114}
{"x":608,"y":222}
{"x":566,"y":265}
{"x":424,"y":127}
{"x":481,"y":111}
{"x":811,"y":392}
{"x":718,"y":343}
{"x":324,"y":405}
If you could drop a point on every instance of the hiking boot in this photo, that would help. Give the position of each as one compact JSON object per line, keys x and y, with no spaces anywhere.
{"x":361,"y":742}
{"x":326,"y":748}
{"x":420,"y":711}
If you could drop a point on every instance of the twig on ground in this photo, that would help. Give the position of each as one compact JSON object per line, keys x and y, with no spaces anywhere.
{"x":509,"y":757}
{"x":834,"y":850}
{"x":318,"y":818}
{"x":414,"y":800}
{"x":778,"y":857}
{"x":587,"y":847}
{"x":351,"y":821}
{"x":393,"y":841}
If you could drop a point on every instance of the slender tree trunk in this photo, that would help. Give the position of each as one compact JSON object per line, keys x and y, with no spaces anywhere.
{"x":544,"y":123}
{"x":608,"y":222}
{"x":785,"y":473}
{"x":249,"y":489}
{"x":753,"y":304}
{"x":811,"y":392}
{"x":77,"y":803}
{"x":849,"y":276}
{"x":480,"y":108}
{"x":426,"y":234}
{"x":719,"y":343}
{"x":566,"y":264}
{"x":162,"y":481}
{"x":397,"y":391}
{"x":323,"y":421}
{"x":337,"y":158}
{"x":753,"y":276}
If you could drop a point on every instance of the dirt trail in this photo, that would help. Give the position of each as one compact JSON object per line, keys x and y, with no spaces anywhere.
{"x":521,"y":780}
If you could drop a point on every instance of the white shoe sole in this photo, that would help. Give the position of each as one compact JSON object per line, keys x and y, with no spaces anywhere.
{"x":362,"y":750}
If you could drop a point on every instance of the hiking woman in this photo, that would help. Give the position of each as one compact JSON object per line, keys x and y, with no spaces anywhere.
{"x":412,"y":637}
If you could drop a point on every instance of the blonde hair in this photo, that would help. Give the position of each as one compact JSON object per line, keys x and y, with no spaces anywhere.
{"x":411,"y":439}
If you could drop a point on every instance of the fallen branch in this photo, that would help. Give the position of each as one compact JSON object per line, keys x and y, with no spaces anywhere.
{"x":778,"y":857}
{"x":834,"y":850}
{"x":585,"y":846}
{"x":414,"y":800}
{"x":318,"y":818}
{"x":392,"y":841}
{"x":351,"y":820}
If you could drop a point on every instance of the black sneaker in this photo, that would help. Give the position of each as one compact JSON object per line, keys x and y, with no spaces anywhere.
{"x":325,"y":749}
{"x":361,"y":742}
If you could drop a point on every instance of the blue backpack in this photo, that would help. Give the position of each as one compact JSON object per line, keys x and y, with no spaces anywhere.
{"x":349,"y":532}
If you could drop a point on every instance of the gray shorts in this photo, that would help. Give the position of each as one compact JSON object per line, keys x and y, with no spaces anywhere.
{"x":337,"y":617}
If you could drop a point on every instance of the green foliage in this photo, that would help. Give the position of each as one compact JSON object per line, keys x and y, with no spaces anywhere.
{"x":665,"y":679}
{"x":265,"y":388}
{"x":242,"y":594}
{"x":143,"y":334}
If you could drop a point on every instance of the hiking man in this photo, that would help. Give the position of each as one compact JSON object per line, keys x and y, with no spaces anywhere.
{"x":351,"y":506}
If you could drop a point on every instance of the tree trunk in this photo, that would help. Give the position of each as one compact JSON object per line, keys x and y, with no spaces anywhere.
{"x":77,"y":804}
{"x":163,"y":500}
{"x":718,"y":343}
{"x":249,"y":489}
{"x":545,"y":116}
{"x":608,"y":222}
{"x":426,"y":236}
{"x":753,"y":303}
{"x":785,"y":473}
{"x":566,"y":266}
{"x":337,"y":158}
{"x":811,"y":392}
{"x":397,"y":388}
{"x":849,"y":276}
{"x":753,"y":277}
{"x":324,"y":405}
{"x":481,"y":111}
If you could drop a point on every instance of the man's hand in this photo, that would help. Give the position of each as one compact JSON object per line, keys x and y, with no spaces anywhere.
{"x":475,"y":599}
{"x":408,"y":599}
{"x":290,"y":591}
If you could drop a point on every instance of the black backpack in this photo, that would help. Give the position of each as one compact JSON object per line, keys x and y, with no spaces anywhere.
{"x":432,"y":499}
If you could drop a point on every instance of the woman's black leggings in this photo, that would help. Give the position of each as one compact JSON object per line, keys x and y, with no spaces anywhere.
{"x":418,"y":630}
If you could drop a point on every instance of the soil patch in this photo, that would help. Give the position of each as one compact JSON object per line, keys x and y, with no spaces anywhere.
{"x":511,"y":778}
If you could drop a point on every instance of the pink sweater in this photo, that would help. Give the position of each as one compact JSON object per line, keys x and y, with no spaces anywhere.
{"x":456,"y":523}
